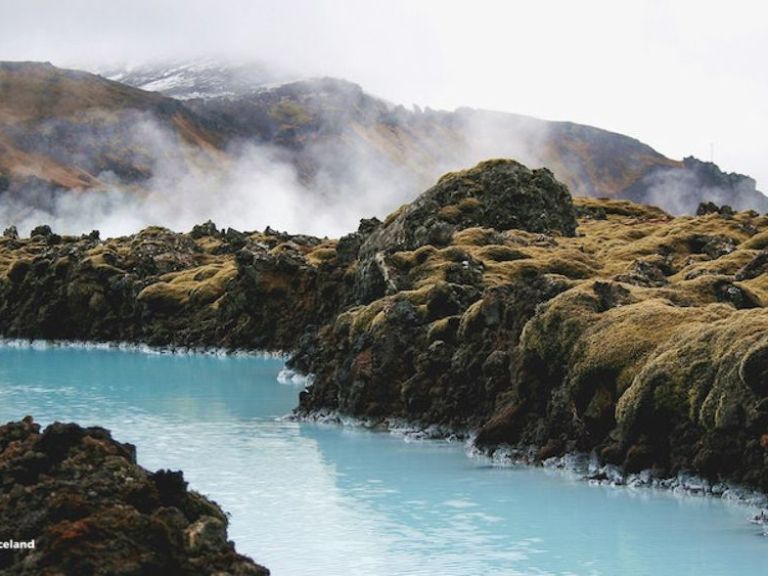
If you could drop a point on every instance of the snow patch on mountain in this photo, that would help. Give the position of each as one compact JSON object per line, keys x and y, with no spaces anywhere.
{"x":204,"y":78}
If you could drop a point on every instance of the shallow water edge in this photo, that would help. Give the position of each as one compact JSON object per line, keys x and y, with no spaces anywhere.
{"x":37,"y":344}
{"x":583,"y":466}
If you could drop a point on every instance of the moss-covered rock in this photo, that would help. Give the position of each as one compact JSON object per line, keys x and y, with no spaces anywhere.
{"x":638,"y":338}
{"x":480,"y":305}
{"x":90,"y":509}
{"x":496,"y":195}
{"x":206,"y":288}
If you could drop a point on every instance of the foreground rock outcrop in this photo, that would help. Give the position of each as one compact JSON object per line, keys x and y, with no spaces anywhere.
{"x":207,"y":288}
{"x":79,"y":495}
{"x":493,"y":302}
{"x":643,"y":338}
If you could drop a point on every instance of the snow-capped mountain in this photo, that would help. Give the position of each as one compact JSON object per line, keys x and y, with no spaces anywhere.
{"x":193,"y":125}
{"x":202,"y":78}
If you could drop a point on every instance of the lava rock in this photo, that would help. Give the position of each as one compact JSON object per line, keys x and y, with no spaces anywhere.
{"x":90,"y":509}
{"x":757,"y":266}
{"x":499,"y":194}
{"x":208,"y":228}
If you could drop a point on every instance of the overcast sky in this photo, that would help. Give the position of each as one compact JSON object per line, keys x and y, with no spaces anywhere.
{"x":686,"y":77}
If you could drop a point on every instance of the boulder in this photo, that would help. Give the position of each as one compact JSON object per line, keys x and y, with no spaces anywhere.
{"x":499,"y":194}
{"x":90,"y":509}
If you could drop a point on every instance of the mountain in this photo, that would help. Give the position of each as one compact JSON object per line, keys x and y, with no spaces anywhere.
{"x":202,"y":78}
{"x":246,"y":99}
{"x":218,"y":139}
{"x":71,"y":130}
{"x":416,"y":146}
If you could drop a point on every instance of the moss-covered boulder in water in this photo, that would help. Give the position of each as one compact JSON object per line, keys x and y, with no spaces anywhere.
{"x":642,"y":338}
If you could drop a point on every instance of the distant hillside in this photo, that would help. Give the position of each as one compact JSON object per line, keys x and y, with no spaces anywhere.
{"x":242,"y":100}
{"x":71,"y":130}
{"x":339,"y":122}
{"x":332,"y":143}
{"x":202,"y":78}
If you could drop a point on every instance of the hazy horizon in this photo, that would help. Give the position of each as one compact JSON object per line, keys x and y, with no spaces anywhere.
{"x":681,"y":76}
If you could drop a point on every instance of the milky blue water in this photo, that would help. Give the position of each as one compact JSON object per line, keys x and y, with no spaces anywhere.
{"x":317,"y":499}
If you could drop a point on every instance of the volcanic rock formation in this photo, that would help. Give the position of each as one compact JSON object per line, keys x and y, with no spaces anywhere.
{"x":482,"y":305}
{"x":90,"y":509}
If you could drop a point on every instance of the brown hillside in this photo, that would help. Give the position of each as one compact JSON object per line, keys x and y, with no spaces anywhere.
{"x":63,"y":128}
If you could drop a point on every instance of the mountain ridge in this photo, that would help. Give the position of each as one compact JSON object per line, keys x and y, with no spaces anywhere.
{"x":51,"y":120}
{"x":348,"y":151}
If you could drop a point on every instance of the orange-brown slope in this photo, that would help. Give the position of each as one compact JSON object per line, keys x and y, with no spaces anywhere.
{"x":33,"y":92}
{"x":63,"y":128}
{"x":18,"y":164}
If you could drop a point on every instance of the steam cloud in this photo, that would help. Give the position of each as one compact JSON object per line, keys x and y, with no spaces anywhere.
{"x":680,"y":192}
{"x":256,"y":189}
{"x":252,"y":186}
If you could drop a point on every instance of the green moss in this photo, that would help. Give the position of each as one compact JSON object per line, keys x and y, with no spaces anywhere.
{"x":200,"y":286}
{"x":290,"y":113}
{"x":443,"y":329}
{"x":757,"y":242}
{"x":164,"y":296}
{"x":362,"y":318}
{"x":469,"y":204}
{"x":402,"y":260}
{"x":498,"y":253}
{"x":476,"y":237}
{"x":622,"y":208}
{"x":698,"y":376}
{"x":321,"y":254}
{"x":633,"y":332}
{"x":450,"y":213}
{"x":454,"y":254}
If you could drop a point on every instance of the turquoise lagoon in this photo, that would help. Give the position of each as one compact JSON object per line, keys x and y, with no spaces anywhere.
{"x":309,"y":498}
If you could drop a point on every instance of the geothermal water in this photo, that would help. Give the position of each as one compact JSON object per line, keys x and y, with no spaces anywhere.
{"x":310,"y":498}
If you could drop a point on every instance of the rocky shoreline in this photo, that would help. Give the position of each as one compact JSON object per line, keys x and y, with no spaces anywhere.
{"x":88,"y":508}
{"x":124,"y":346}
{"x":588,"y":468}
{"x":585,"y":467}
{"x":492,"y":302}
{"x":642,"y":338}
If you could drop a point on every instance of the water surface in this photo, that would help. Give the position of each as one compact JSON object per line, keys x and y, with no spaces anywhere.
{"x":310,"y":499}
